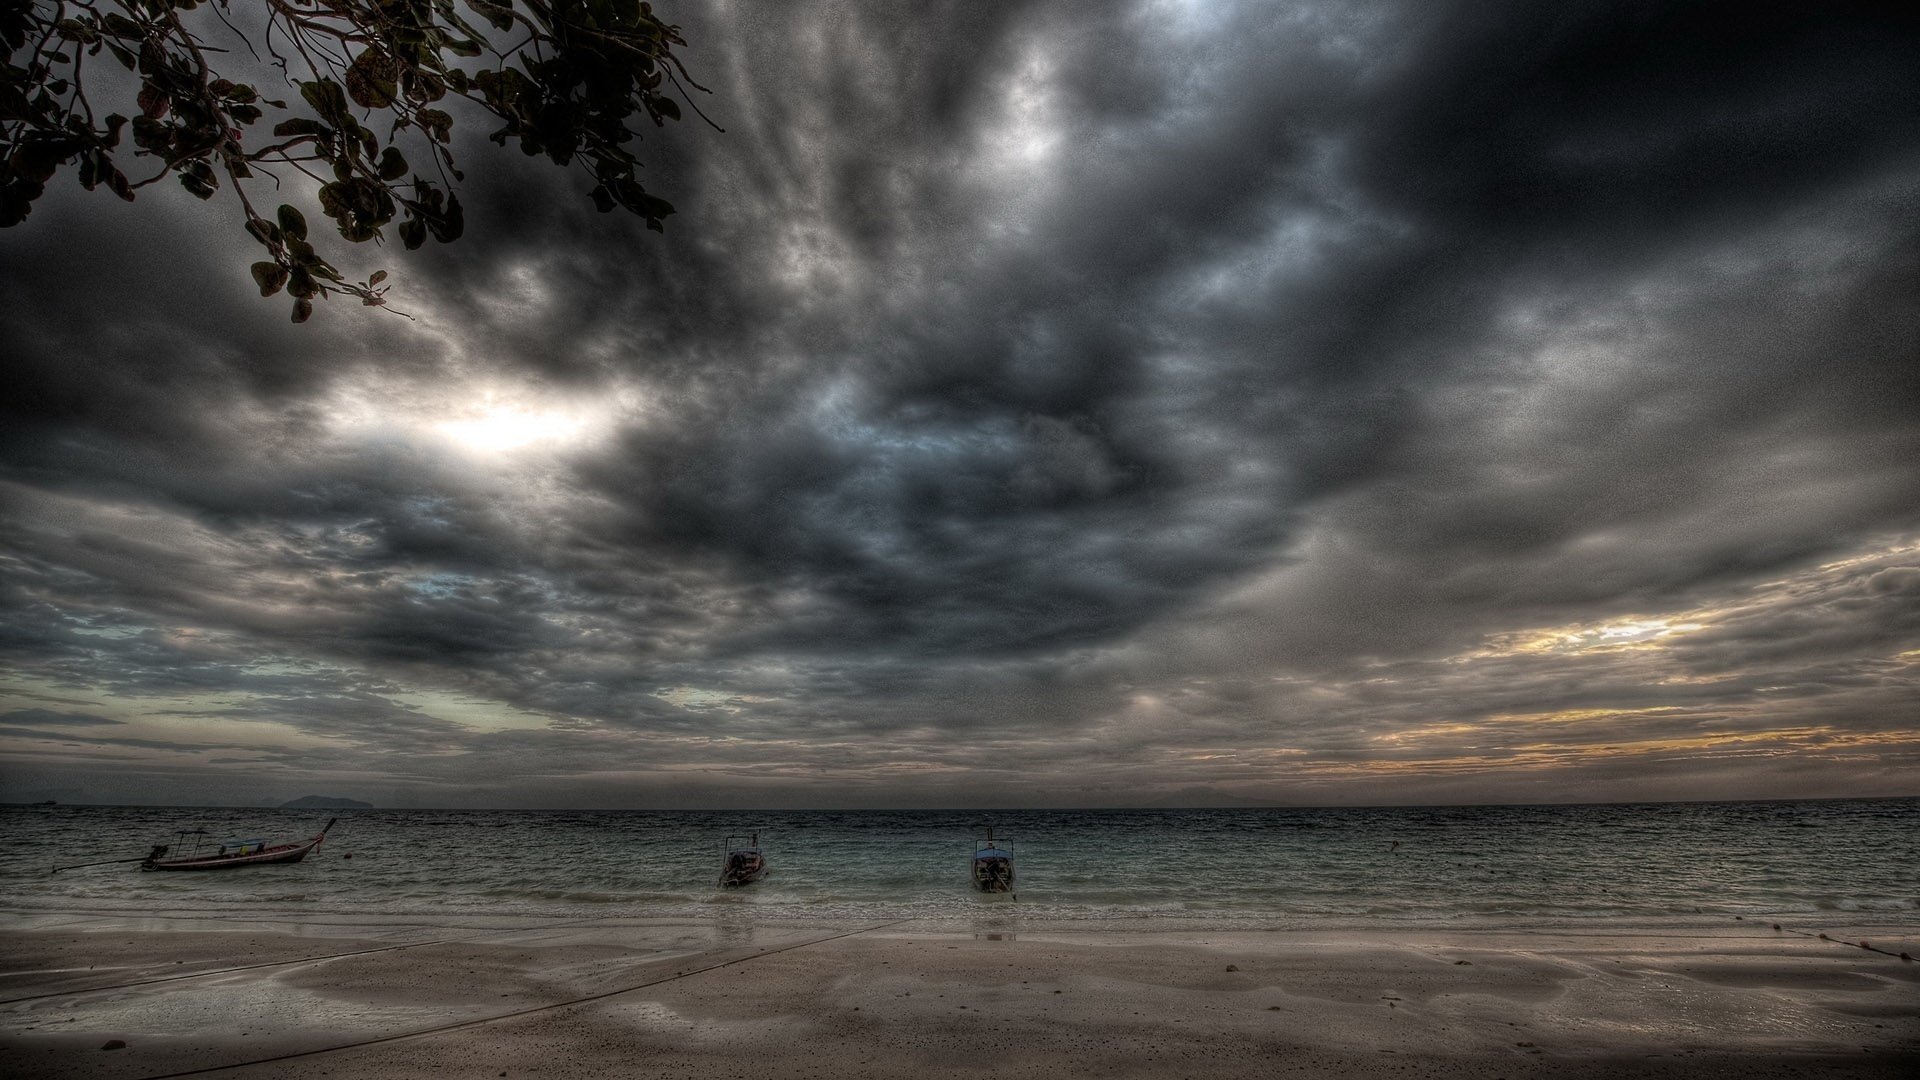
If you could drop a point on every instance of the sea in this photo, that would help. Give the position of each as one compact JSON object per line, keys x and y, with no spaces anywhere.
{"x":1853,"y":862}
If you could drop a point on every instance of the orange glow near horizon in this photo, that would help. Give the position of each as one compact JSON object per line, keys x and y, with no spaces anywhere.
{"x":1624,"y":635}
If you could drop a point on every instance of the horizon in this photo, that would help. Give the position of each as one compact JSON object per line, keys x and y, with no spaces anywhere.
{"x":952,"y":809}
{"x":1317,"y":405}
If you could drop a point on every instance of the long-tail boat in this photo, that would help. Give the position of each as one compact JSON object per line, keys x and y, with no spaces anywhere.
{"x":232,"y":853}
{"x":742,"y":862}
{"x":992,"y":864}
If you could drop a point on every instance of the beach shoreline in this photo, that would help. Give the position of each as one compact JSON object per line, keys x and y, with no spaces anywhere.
{"x":734,"y":996}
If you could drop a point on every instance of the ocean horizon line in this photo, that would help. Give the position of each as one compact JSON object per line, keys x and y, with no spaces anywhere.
{"x":1008,"y":809}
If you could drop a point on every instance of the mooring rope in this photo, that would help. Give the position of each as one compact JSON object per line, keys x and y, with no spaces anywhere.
{"x":529,"y":1011}
{"x":287,"y":963}
{"x":220,"y":971}
{"x":1822,"y":935}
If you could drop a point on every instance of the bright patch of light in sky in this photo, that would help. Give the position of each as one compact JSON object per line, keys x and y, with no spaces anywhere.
{"x":469,"y":711}
{"x":1623,"y":634}
{"x":1021,"y":145}
{"x":490,"y":422}
{"x":500,"y":428}
{"x":1031,"y":135}
{"x":694,"y":697}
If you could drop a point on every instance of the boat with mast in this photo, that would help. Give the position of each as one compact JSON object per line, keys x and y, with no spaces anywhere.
{"x":992,"y":864}
{"x":742,"y":862}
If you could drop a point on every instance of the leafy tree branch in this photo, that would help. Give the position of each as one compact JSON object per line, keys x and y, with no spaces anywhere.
{"x":367,"y":81}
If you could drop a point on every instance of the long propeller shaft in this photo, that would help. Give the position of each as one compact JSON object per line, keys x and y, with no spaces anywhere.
{"x":103,"y":862}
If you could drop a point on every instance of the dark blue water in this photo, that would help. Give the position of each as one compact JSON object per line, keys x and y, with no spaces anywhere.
{"x":1244,"y":867}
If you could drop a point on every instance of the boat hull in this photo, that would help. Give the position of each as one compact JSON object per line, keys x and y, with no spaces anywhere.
{"x":993,"y":875}
{"x":742,"y":869}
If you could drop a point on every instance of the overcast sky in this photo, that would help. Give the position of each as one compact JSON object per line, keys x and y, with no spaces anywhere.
{"x":1313,"y":403}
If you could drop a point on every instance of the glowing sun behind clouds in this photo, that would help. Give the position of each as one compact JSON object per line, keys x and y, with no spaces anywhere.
{"x":499,"y":428}
{"x":491,"y":423}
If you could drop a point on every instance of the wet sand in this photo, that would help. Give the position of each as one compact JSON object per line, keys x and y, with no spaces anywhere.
{"x":736,"y":999}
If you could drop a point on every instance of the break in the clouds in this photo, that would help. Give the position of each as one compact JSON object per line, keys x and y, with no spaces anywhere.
{"x":1029,"y":404}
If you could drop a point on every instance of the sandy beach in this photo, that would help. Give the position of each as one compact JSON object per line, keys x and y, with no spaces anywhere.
{"x":113,"y":997}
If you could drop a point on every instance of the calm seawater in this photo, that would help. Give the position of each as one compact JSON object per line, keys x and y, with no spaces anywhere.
{"x":1239,"y":867}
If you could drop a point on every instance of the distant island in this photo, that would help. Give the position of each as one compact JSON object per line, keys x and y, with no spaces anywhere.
{"x":325,"y":802}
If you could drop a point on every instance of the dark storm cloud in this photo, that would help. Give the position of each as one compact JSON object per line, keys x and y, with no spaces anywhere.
{"x":1189,"y":383}
{"x":39,"y":718}
{"x":69,"y":739}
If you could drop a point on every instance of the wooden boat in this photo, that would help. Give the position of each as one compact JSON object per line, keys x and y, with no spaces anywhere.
{"x":232,"y":853}
{"x":992,"y":864}
{"x":742,"y":863}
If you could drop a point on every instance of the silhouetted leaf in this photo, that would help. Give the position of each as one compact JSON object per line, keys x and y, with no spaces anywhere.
{"x":439,"y":125}
{"x":449,"y":225}
{"x":198,"y":178}
{"x":301,"y":125}
{"x":269,"y":276}
{"x":327,"y":99}
{"x":154,"y":102}
{"x":120,"y":26}
{"x":373,"y":80}
{"x":499,"y":14}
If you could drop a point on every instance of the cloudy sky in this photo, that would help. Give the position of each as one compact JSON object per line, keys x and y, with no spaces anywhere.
{"x":1313,"y":403}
